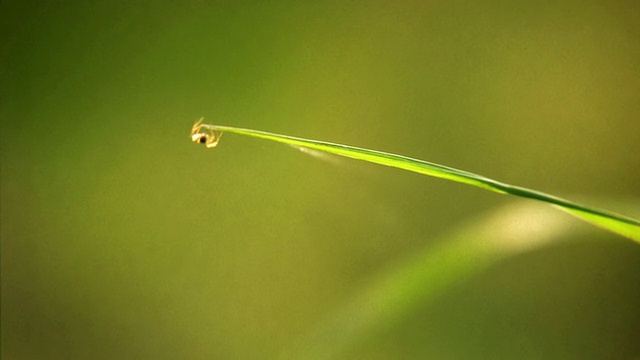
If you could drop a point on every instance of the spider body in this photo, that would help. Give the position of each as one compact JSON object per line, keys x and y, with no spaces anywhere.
{"x":210,"y":140}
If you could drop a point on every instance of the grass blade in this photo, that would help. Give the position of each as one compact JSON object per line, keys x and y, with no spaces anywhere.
{"x":610,"y":221}
{"x":417,"y":280}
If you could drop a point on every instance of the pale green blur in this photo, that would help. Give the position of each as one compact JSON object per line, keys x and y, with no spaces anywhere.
{"x":122,"y":239}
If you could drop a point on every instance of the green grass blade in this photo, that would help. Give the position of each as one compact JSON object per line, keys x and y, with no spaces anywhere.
{"x":417,"y":280}
{"x":613,"y":222}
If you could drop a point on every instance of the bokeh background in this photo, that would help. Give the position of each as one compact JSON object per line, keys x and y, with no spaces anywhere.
{"x":122,"y":239}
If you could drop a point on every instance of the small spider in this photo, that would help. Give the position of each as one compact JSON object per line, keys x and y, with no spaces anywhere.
{"x":210,"y":140}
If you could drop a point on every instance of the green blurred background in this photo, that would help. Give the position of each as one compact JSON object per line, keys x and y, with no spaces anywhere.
{"x":122,"y":239}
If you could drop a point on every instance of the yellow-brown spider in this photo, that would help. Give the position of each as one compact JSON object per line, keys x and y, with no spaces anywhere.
{"x":210,"y":140}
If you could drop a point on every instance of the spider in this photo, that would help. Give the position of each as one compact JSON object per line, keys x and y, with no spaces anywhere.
{"x":210,"y":140}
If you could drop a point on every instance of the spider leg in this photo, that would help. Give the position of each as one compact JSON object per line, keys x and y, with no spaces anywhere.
{"x":213,"y":140}
{"x":196,"y":127}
